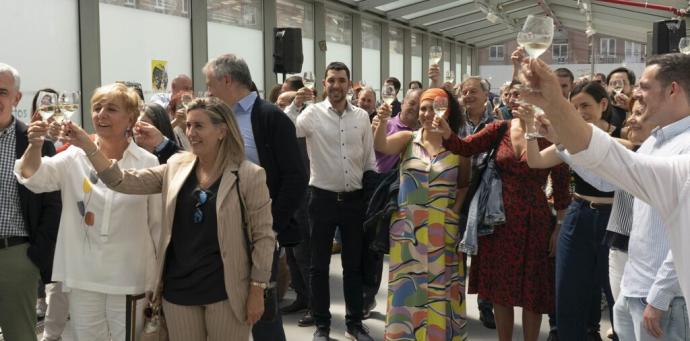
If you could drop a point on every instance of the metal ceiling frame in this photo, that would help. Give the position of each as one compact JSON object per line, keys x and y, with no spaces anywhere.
{"x":447,"y":14}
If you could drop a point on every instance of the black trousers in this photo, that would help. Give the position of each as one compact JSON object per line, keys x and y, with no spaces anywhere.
{"x":326,"y":212}
{"x":273,"y":330}
{"x":299,"y":256}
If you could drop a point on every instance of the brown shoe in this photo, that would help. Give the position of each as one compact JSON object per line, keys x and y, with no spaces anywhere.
{"x":336,"y":248}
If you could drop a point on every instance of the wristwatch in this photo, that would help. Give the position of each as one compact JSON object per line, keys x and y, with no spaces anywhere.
{"x":259,"y":284}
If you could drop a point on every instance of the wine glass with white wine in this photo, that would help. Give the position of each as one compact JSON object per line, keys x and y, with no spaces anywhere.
{"x":536,"y":35}
{"x":435,"y":55}
{"x":684,"y":45}
{"x":617,"y":86}
{"x":46,"y":104}
{"x":69,"y":103}
{"x":440,"y":106}
{"x":449,"y":77}
{"x":308,"y":80}
{"x":388,"y":93}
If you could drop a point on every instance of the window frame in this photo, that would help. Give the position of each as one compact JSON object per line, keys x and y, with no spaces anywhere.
{"x":496,"y":57}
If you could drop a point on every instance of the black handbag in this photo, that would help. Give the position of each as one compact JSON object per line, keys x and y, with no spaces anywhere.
{"x":271,"y":292}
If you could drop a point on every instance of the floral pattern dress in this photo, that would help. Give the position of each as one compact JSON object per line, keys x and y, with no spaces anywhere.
{"x":513,"y":267}
{"x":426,"y":291}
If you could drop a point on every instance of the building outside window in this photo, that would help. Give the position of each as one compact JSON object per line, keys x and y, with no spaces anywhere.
{"x":185,"y":6}
{"x":559,"y":53}
{"x":607,"y":50}
{"x":633,"y":52}
{"x":496,"y":53}
{"x":160,"y":4}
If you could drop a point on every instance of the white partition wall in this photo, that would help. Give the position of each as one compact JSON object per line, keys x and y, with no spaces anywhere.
{"x":371,"y":54}
{"x":134,"y":36}
{"x":296,"y":13}
{"x":338,"y":39}
{"x":43,"y":47}
{"x":235,"y":26}
{"x":417,"y":69}
{"x":396,"y":59}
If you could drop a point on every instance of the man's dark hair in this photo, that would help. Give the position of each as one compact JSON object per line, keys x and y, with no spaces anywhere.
{"x":628,"y":72}
{"x":564,"y":72}
{"x":598,"y":93}
{"x":673,"y":67}
{"x":133,"y":85}
{"x":337,"y":66}
{"x":409,"y":86}
{"x":395,"y":82}
{"x":294,"y":83}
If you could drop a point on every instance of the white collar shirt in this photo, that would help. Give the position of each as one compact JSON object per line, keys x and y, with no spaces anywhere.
{"x":340,"y":146}
{"x":111,"y":251}
{"x":662,"y":182}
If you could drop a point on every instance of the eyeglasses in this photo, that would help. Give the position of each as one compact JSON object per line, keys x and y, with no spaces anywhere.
{"x":202,"y":198}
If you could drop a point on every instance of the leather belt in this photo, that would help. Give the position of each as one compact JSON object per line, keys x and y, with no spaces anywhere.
{"x":12,"y":241}
{"x":338,"y":196}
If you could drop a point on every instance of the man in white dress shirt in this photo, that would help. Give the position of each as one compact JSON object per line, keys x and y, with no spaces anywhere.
{"x":340,"y":147}
{"x":661,"y":183}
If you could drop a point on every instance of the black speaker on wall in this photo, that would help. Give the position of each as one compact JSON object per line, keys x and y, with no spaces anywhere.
{"x":287,"y":50}
{"x":666,"y":36}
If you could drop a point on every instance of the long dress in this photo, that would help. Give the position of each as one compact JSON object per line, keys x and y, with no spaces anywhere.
{"x":426,"y":274}
{"x":512,"y":266}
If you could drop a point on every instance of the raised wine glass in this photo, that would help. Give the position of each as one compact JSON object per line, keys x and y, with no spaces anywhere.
{"x":449,"y":77}
{"x":617,"y":86}
{"x":684,"y":45}
{"x":69,"y":104}
{"x":308,"y":80}
{"x":440,"y":106}
{"x":388,"y":93}
{"x":536,"y":35}
{"x":46,"y":104}
{"x":435,"y":55}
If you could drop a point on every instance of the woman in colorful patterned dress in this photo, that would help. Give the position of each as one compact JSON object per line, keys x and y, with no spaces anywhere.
{"x":426,"y":284}
{"x":514,"y":266}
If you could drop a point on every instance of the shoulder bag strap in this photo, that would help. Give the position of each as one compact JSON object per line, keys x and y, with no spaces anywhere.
{"x":245,"y":225}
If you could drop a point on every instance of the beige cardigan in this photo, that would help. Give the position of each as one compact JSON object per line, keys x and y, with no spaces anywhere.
{"x":169,"y":178}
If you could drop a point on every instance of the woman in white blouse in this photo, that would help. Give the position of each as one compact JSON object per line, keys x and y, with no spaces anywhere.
{"x":106,"y":239}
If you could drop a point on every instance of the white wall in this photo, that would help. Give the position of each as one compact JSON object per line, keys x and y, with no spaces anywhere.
{"x":308,"y":52}
{"x":396,"y":69}
{"x":241,"y":41}
{"x":371,"y":68}
{"x":43,"y":46}
{"x":339,"y":53}
{"x":502,"y":73}
{"x":417,"y":71}
{"x":131,"y":38}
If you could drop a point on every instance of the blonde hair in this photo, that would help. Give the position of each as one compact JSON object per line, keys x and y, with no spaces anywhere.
{"x":231,"y":150}
{"x":118,"y":92}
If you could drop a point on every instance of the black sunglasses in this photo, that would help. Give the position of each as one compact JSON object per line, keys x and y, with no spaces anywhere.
{"x":202,"y":198}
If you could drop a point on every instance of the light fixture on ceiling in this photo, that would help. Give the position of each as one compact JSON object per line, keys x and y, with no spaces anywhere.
{"x":492,"y":17}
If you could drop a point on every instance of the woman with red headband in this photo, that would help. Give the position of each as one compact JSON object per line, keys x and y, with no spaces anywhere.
{"x":426,"y":284}
{"x":514,"y":264}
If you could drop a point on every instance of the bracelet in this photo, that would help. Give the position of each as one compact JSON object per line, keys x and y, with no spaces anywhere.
{"x":531,"y":137}
{"x":259,"y":284}
{"x":92,"y":153}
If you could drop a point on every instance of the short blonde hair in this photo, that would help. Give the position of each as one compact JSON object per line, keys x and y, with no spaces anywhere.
{"x":118,"y":92}
{"x":231,"y":150}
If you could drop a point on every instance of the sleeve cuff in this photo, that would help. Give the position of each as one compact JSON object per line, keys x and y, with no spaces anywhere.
{"x":111,"y":176}
{"x":260,"y":275}
{"x":596,"y":151}
{"x":659,"y":299}
{"x":161,"y":145}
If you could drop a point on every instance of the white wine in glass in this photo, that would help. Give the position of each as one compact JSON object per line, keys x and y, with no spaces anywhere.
{"x":46,"y":104}
{"x":440,"y":106}
{"x":69,"y":103}
{"x":617,"y":86}
{"x":449,"y":77}
{"x":388,"y":93}
{"x":536,"y":35}
{"x":435,"y":55}
{"x":684,"y":45}
{"x":308,"y":80}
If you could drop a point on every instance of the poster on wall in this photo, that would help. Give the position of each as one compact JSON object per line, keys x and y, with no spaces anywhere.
{"x":159,"y":75}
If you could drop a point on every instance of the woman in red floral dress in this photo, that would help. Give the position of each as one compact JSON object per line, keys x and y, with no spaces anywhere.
{"x":514,"y":265}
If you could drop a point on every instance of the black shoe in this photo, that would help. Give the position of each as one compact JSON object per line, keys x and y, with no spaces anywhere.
{"x":295,"y":306}
{"x":553,"y":336}
{"x":306,"y":320}
{"x":322,"y":334}
{"x":369,"y":306}
{"x":486,"y":315}
{"x":358,"y":332}
{"x":593,"y":335}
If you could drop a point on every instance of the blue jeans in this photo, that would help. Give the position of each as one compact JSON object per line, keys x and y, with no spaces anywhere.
{"x":630,"y":325}
{"x":581,"y":270}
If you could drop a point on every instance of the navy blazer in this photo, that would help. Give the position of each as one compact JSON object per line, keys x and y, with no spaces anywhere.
{"x":41,"y":211}
{"x":286,"y":175}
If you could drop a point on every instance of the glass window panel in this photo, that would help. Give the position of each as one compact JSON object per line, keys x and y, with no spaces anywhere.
{"x":338,"y":37}
{"x":128,"y":51}
{"x":371,"y":53}
{"x":296,"y":13}
{"x":417,"y":44}
{"x":233,"y":23}
{"x":458,"y":63}
{"x":416,"y":62}
{"x":171,"y":7}
{"x":396,"y":59}
{"x":46,"y":53}
{"x":446,"y":57}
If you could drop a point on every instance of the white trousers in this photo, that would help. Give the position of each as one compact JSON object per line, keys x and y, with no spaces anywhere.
{"x":99,"y":317}
{"x":617,"y":260}
{"x":57,"y":313}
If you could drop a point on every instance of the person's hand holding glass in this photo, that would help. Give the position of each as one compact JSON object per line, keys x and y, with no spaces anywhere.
{"x":388,"y":94}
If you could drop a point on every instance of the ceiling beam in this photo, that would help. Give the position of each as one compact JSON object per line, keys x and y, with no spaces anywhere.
{"x":418,"y":7}
{"x":464,"y":20}
{"x":608,"y":30}
{"x":469,"y":28}
{"x":516,"y":6}
{"x":574,"y":14}
{"x":467,"y":36}
{"x":544,"y":4}
{"x":368,"y":4}
{"x":495,"y":41}
{"x":478,"y":38}
{"x":446,"y":14}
